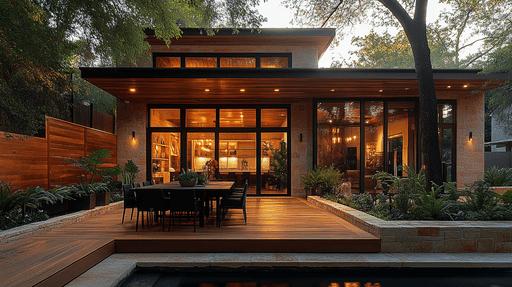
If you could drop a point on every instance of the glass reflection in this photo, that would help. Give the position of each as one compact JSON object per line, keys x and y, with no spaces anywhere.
{"x":274,"y":118}
{"x":237,"y":158}
{"x":274,"y":62}
{"x":165,"y":118}
{"x":237,"y":118}
{"x":200,"y":118}
{"x":338,"y":139}
{"x":165,"y":156}
{"x":374,"y":145}
{"x":274,"y":163}
{"x":401,"y":137}
{"x":201,"y":148}
{"x":168,"y":62}
{"x":201,"y":62}
{"x":237,"y":62}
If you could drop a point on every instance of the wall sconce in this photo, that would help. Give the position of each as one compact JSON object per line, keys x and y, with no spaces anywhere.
{"x":300,"y":138}
{"x":470,"y":136}
{"x":133,"y":135}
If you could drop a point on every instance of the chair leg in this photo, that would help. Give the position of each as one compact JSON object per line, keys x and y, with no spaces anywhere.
{"x":245,"y":216}
{"x":124,"y":210}
{"x":195,"y":214}
{"x":163,"y":221}
{"x":131,"y":217}
{"x":137,"y":223}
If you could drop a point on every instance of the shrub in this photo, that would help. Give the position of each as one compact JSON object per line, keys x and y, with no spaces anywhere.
{"x":15,"y":218}
{"x":479,"y":196}
{"x":495,"y":176}
{"x":324,"y":178}
{"x":506,"y":197}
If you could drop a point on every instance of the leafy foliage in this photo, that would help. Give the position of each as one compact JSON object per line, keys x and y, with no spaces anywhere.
{"x":129,"y":172}
{"x":495,"y":176}
{"x":324,"y":178}
{"x":187,"y":176}
{"x":91,"y":164}
{"x":279,"y":161}
{"x":15,"y":218}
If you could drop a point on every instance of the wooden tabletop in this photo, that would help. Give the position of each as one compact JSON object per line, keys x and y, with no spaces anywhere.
{"x":175,"y":185}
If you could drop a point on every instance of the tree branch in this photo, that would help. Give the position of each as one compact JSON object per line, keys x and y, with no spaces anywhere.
{"x":398,"y":11}
{"x":333,"y":10}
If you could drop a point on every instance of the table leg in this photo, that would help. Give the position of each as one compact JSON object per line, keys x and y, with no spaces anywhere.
{"x":201,"y":216}
{"x":217,"y":204}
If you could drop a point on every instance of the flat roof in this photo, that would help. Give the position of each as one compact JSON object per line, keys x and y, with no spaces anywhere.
{"x":319,"y":37}
{"x":159,"y":85}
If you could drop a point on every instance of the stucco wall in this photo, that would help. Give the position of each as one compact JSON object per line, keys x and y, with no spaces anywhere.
{"x":470,"y":118}
{"x":132,"y":117}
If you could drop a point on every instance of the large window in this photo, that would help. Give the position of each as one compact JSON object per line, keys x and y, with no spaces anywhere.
{"x":249,"y":143}
{"x":361,"y":138}
{"x":222,"y":60}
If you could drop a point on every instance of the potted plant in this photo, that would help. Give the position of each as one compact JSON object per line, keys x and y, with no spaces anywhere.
{"x":60,"y":203}
{"x":279,"y":163}
{"x":320,"y":180}
{"x":187,"y":178}
{"x":85,"y":195}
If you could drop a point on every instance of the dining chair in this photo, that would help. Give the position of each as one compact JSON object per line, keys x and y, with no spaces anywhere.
{"x":185,"y":201}
{"x":129,"y":199}
{"x":136,"y":184}
{"x":151,"y":182}
{"x":151,"y":201}
{"x":238,"y":192}
{"x":146,"y":183}
{"x":233,"y":202}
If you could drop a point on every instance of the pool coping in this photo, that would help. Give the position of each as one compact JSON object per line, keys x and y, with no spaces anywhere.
{"x":402,"y":236}
{"x":116,"y":268}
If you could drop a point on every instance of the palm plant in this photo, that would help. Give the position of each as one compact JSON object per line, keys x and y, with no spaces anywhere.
{"x":129,"y":171}
{"x":495,"y":176}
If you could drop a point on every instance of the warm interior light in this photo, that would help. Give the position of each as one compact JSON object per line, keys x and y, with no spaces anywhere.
{"x":380,"y":91}
{"x":465,"y":86}
{"x":242,"y":90}
{"x":406,"y":89}
{"x":276,"y":90}
{"x":448,"y":87}
{"x":332,"y":90}
{"x":206,"y":90}
{"x":132,"y":90}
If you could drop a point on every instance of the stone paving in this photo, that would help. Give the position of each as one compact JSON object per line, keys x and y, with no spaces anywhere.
{"x":119,"y":266}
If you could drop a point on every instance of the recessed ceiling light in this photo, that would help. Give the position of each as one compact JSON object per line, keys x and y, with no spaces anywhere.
{"x":332,"y":90}
{"x":380,"y":91}
{"x":406,"y":89}
{"x":132,"y":90}
{"x":276,"y":90}
{"x":206,"y":90}
{"x":465,"y":86}
{"x":448,"y":87}
{"x":242,"y":90}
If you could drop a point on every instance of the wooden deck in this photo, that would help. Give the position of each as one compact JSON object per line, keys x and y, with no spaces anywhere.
{"x":278,"y":224}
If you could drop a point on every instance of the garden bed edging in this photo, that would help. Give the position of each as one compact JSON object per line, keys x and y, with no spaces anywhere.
{"x":426,"y":236}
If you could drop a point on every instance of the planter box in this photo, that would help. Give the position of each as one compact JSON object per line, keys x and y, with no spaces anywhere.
{"x":103,"y":198}
{"x":83,"y":203}
{"x":56,"y":208}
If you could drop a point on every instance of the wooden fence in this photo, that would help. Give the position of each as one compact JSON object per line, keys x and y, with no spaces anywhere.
{"x":31,"y":162}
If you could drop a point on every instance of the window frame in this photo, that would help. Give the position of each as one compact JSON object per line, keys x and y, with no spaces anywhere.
{"x":222,"y":55}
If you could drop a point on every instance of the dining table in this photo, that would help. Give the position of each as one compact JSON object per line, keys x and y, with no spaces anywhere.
{"x":212,"y":189}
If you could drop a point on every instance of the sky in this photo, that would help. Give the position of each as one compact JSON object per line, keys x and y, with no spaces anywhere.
{"x":280,"y":17}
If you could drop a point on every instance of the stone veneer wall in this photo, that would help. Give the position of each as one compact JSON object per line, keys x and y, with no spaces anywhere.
{"x":132,"y":117}
{"x":302,"y":152}
{"x":427,"y":236}
{"x":470,"y":118}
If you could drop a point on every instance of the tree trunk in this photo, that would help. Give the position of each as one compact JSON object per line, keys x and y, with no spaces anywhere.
{"x":428,"y":104}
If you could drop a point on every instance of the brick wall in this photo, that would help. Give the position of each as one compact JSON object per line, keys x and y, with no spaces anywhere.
{"x":301,"y":152}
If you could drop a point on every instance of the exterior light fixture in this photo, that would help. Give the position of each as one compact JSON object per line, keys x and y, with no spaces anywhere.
{"x":470,"y":137}
{"x":133,"y":135}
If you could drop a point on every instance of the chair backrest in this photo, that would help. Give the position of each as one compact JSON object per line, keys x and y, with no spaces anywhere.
{"x":129,"y":196}
{"x":183,"y":200}
{"x":151,"y":182}
{"x":150,"y":199}
{"x":146,"y":183}
{"x":136,"y":184}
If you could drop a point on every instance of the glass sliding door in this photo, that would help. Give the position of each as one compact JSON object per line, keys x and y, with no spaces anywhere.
{"x":401,"y":137}
{"x":338,"y":139}
{"x":165,"y":156}
{"x":374,"y":144}
{"x":200,"y":149}
{"x":274,"y":163}
{"x":237,"y":159}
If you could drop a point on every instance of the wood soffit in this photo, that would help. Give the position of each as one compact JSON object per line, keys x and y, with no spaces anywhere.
{"x":192,"y":85}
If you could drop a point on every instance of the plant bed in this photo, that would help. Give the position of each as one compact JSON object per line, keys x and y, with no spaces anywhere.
{"x":103,"y":198}
{"x":83,"y":203}
{"x":56,"y":208}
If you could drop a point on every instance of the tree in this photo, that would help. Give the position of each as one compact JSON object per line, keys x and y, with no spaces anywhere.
{"x":342,"y":13}
{"x":42,"y":40}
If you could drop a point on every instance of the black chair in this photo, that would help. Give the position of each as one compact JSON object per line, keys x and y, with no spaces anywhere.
{"x":146,"y":183}
{"x":238,"y":192}
{"x":136,"y":184}
{"x":233,"y":202}
{"x":151,"y":201}
{"x":129,"y":199}
{"x":185,"y":201}
{"x":151,"y":182}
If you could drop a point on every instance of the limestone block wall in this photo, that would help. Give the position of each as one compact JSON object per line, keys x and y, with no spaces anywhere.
{"x":427,"y":236}
{"x":132,"y":118}
{"x":301,"y":151}
{"x":470,"y":118}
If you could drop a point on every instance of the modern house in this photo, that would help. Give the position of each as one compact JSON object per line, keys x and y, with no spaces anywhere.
{"x":258,"y":104}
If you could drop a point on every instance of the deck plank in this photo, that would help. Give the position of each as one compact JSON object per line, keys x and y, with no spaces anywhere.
{"x":276,"y":224}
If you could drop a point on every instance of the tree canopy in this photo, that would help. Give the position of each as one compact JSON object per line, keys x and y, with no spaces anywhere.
{"x":43,"y":41}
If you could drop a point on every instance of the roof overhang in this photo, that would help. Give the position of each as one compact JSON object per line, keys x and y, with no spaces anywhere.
{"x":182,"y":85}
{"x":321,"y":38}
